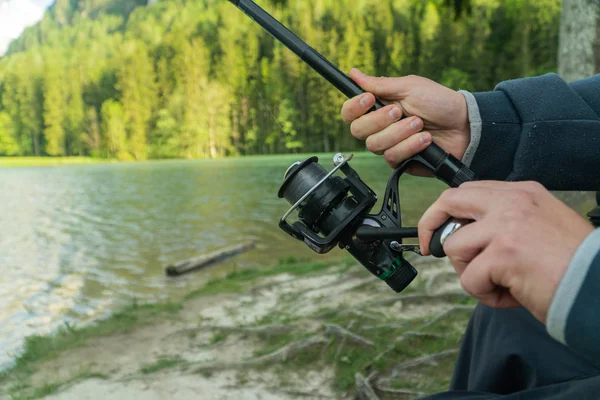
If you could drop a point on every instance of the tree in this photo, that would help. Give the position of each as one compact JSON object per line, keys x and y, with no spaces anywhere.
{"x":114,"y":130}
{"x":8,"y":142}
{"x":137,"y":83}
{"x":579,"y":51}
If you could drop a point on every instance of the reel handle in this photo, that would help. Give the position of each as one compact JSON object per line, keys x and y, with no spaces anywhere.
{"x":436,"y":246}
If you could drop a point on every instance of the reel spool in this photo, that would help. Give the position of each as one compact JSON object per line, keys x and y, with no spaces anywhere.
{"x":334,"y":211}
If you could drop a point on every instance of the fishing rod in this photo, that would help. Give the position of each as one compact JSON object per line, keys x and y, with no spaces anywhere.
{"x":334,"y":211}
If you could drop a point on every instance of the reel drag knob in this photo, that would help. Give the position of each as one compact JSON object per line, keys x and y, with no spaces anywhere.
{"x":402,"y":276}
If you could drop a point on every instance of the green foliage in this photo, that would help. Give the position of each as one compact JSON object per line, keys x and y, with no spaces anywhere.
{"x":198,"y":79}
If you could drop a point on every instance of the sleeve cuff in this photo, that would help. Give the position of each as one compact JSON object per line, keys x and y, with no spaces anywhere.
{"x":570,"y":285}
{"x":475,"y":123}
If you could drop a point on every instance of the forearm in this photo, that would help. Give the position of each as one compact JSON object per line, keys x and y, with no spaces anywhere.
{"x":574,"y":315}
{"x":537,"y":129}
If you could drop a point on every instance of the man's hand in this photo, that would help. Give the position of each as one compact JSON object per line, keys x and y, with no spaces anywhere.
{"x":519,"y":247}
{"x":439,"y":111}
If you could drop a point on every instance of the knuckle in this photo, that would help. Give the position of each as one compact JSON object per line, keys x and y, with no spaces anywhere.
{"x":354,"y":130}
{"x":415,"y":145}
{"x":389,"y":156}
{"x":465,"y":284}
{"x":449,"y":195}
{"x":373,"y":144}
{"x":507,"y":244}
{"x":534,"y":186}
{"x":522,"y":198}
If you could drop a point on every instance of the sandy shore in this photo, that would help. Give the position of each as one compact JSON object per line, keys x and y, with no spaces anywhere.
{"x":282,"y":336}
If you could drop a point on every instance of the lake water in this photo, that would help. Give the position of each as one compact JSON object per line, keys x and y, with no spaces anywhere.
{"x":79,"y":242}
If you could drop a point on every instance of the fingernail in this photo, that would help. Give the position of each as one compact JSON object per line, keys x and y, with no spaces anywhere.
{"x":395,"y":113}
{"x":365,"y":100}
{"x":416,"y":124}
{"x":359,"y":72}
{"x":425,"y":138}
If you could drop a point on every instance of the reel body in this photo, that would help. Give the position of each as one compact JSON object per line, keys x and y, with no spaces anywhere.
{"x":334,"y":211}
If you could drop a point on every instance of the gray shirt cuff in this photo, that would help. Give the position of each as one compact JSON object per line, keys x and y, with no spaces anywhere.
{"x":475,"y":122}
{"x":570,"y":285}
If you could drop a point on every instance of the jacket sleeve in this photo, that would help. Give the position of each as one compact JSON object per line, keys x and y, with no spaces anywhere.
{"x":574,"y":315}
{"x":540,"y":129}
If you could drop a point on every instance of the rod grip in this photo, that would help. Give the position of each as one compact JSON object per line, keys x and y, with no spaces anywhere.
{"x":436,"y":246}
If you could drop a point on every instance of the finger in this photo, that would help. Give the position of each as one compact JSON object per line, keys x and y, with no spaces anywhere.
{"x":467,"y":243}
{"x":478,"y":281}
{"x":376,"y":121}
{"x":465,"y":203}
{"x":357,"y":106}
{"x":407,"y":148}
{"x":393,"y":134}
{"x":381,"y":86}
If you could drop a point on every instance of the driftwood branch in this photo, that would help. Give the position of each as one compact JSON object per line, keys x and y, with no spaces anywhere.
{"x":364,"y":390}
{"x":336,"y":330}
{"x":193,"y":264}
{"x":283,"y":354}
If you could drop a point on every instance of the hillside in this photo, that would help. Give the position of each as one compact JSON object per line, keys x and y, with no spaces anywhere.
{"x":70,"y":12}
{"x":198,"y":79}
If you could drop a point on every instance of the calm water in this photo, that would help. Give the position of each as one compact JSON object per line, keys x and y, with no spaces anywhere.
{"x":79,"y":242}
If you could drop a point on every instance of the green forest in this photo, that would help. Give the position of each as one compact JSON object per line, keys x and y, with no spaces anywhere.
{"x":198,"y":79}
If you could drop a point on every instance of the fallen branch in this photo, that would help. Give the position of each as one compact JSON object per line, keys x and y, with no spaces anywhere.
{"x":281,"y":355}
{"x":336,"y":330}
{"x":364,"y":390}
{"x":184,"y":267}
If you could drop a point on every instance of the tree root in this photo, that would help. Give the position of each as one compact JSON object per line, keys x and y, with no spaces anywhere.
{"x":364,"y":391}
{"x":343,"y":342}
{"x":336,"y":330}
{"x":283,"y":354}
{"x":297,"y":393}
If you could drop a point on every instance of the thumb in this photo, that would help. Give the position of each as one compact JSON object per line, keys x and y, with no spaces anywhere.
{"x":391,"y":88}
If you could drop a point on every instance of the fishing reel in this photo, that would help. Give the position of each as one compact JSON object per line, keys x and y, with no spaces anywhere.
{"x":335,"y":211}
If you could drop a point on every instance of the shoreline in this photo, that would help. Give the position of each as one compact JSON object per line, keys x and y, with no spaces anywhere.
{"x":294,"y":330}
{"x":80,"y":160}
